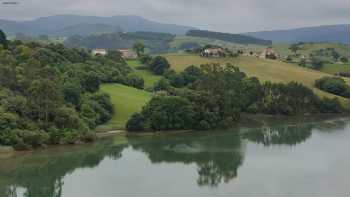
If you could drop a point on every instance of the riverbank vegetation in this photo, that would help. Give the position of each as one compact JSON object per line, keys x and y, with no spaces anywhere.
{"x":214,"y":96}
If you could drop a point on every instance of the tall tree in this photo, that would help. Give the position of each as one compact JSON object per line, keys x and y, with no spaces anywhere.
{"x":3,"y":39}
{"x":139,"y":48}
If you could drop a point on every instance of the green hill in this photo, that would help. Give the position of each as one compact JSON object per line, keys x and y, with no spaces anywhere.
{"x":234,"y":38}
{"x":126,"y":101}
{"x":265,"y":70}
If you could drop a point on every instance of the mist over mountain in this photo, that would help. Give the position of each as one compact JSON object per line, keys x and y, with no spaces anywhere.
{"x":327,"y":33}
{"x":63,"y":25}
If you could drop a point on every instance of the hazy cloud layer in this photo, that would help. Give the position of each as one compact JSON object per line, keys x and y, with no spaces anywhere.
{"x":220,"y":15}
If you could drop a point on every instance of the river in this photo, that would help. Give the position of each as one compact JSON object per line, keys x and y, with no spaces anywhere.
{"x":294,"y":158}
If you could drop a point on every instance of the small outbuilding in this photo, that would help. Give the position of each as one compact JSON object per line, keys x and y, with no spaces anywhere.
{"x":213,"y":52}
{"x":269,"y":53}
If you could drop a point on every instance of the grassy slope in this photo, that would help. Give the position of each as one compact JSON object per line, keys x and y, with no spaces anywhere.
{"x":126,"y":101}
{"x":265,"y":70}
{"x":334,"y":68}
{"x":308,"y":48}
{"x":149,"y":77}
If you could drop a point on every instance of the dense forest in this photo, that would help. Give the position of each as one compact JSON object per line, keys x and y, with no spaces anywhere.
{"x":235,"y":38}
{"x":214,"y":96}
{"x":154,"y":42}
{"x":49,"y":93}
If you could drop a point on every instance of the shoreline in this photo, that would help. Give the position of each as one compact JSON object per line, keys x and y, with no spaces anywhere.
{"x":254,"y":118}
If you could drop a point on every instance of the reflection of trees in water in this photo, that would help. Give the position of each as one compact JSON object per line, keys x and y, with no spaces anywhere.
{"x":331,"y":125}
{"x":41,"y":175}
{"x":281,"y":135}
{"x":217,"y":156}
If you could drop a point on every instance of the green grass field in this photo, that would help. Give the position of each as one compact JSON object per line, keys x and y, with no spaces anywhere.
{"x":147,"y":76}
{"x":334,"y":68}
{"x":308,"y":48}
{"x":265,"y":70}
{"x":126,"y":101}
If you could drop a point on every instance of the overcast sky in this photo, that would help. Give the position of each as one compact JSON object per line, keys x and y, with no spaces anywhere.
{"x":218,"y":15}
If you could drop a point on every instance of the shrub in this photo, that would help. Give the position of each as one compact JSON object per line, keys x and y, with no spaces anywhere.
{"x":135,"y":123}
{"x":159,"y":65}
{"x":328,"y":105}
{"x":135,"y":81}
{"x":164,"y":113}
{"x":334,"y":85}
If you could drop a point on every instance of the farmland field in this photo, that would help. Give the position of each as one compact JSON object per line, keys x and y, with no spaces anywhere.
{"x":265,"y":70}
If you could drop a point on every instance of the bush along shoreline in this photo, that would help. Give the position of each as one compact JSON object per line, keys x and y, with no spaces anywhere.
{"x":214,"y":96}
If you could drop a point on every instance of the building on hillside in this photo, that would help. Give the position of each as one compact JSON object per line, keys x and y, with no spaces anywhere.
{"x":102,"y":52}
{"x":213,"y":52}
{"x":128,"y":54}
{"x":268,"y":53}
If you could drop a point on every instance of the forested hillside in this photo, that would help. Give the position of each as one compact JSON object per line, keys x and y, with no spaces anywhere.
{"x":54,"y":25}
{"x":235,"y":38}
{"x":326,"y":33}
{"x":49,"y":93}
{"x":154,"y":42}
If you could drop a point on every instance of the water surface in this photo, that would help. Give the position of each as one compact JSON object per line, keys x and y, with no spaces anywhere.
{"x":290,"y":159}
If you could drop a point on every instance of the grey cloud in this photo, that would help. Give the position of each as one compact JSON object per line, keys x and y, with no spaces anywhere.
{"x":219,"y":15}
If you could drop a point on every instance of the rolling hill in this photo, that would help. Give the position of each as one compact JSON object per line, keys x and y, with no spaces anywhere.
{"x":227,"y":37}
{"x":327,"y":33}
{"x":265,"y":70}
{"x":87,"y":29}
{"x":53,"y":25}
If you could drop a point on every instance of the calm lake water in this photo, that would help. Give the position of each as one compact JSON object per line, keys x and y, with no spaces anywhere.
{"x":294,"y":158}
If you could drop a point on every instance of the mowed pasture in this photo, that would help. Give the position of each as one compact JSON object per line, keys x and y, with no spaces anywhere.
{"x":126,"y":101}
{"x":265,"y":70}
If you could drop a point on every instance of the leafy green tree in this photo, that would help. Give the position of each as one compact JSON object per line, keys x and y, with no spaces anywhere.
{"x":316,"y":63}
{"x":3,"y":39}
{"x":43,"y":98}
{"x":135,"y":123}
{"x":115,"y":55}
{"x":302,"y":62}
{"x":91,"y":82}
{"x":162,"y":85}
{"x":225,"y":84}
{"x":164,"y":113}
{"x":344,"y":59}
{"x":295,"y":48}
{"x":72,"y":93}
{"x":146,"y":59}
{"x":67,"y":118}
{"x":334,"y":85}
{"x":139,"y":48}
{"x":135,"y":81}
{"x":159,"y":65}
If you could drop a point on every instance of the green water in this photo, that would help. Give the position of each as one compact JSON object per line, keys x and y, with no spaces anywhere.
{"x":275,"y":159}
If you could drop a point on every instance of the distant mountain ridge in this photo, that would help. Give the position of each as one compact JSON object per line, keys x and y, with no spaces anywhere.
{"x":227,"y":37}
{"x":60,"y":25}
{"x":325,"y":33}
